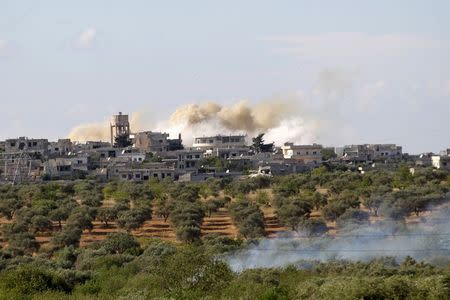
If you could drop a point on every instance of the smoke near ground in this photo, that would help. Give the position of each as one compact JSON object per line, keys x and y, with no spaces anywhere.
{"x":428,"y":240}
{"x":99,"y":131}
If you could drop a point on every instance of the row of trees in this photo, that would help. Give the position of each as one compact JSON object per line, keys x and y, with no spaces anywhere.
{"x":337,"y":194}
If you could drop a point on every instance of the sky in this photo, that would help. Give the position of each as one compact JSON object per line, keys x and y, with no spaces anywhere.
{"x":360,"y":71}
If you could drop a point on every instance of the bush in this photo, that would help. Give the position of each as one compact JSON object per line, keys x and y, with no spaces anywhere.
{"x":119,"y":243}
{"x":27,"y":280}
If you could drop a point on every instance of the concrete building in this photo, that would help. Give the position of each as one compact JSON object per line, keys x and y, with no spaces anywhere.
{"x":18,"y":167}
{"x":67,"y":167}
{"x":91,"y":145}
{"x":219,"y":142}
{"x":283,"y":166}
{"x":150,"y":141}
{"x":61,"y":147}
{"x":369,"y":152}
{"x":31,"y":146}
{"x":225,"y":153}
{"x":188,"y":160}
{"x":144,"y":172}
{"x":120,"y":125}
{"x":390,"y":151}
{"x":133,"y":155}
{"x":355,"y":153}
{"x":304,"y":153}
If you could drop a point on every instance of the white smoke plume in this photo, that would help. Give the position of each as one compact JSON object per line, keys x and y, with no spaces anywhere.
{"x":282,"y":121}
{"x":427,"y":240}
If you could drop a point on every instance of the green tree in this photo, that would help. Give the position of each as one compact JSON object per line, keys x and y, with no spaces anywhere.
{"x":353,"y":216}
{"x":69,"y":236}
{"x":328,"y":153}
{"x":9,"y":206}
{"x":213,"y":205}
{"x":59,"y":214}
{"x":259,"y":146}
{"x":122,"y":141}
{"x":119,"y":243}
{"x":248,"y":218}
{"x":130,"y":219}
{"x":41,"y":223}
{"x":107,"y":214}
{"x":187,"y":217}
{"x":313,"y":226}
{"x":292,"y":212}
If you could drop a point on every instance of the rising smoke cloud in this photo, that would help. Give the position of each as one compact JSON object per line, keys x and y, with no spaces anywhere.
{"x":281,"y":121}
{"x":425,"y":240}
{"x":237,"y":117}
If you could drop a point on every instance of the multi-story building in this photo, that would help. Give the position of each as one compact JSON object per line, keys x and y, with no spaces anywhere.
{"x":24,"y":144}
{"x":141,"y":172}
{"x":369,"y":152}
{"x":61,"y":147}
{"x":355,"y":153}
{"x":390,"y":151}
{"x":188,"y":160}
{"x":66,"y":167}
{"x":304,"y":153}
{"x":150,"y":141}
{"x":226,"y":153}
{"x":17,"y":167}
{"x":219,"y":141}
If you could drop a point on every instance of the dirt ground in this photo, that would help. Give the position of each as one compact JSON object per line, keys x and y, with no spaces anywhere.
{"x":219,"y":222}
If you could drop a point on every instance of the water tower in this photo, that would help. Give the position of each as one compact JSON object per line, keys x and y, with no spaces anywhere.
{"x":120,"y":125}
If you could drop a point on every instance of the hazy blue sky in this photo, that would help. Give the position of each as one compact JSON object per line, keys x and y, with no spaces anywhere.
{"x":373,"y":72}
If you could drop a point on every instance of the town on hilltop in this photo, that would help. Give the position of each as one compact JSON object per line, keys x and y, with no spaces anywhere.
{"x":139,"y":156}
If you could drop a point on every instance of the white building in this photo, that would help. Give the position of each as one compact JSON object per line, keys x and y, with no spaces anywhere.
{"x":219,"y":141}
{"x":305,"y":153}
